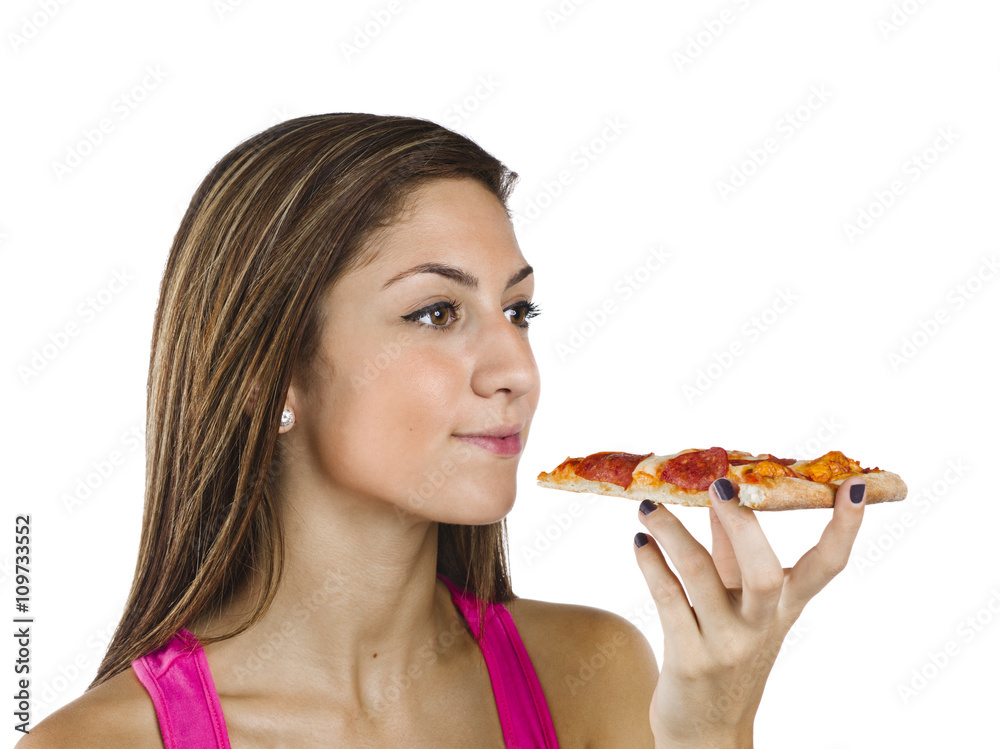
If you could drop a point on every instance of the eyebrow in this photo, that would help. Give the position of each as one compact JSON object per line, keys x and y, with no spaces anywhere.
{"x":455,"y":274}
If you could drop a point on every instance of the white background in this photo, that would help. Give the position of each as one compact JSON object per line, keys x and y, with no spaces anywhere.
{"x":694,"y":90}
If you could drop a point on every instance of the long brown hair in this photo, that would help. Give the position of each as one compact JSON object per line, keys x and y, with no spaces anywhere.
{"x":273,"y":225}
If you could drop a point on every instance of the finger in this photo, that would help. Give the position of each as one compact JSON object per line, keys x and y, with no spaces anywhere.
{"x":829,"y":556}
{"x":723,"y":554}
{"x":680,"y":627}
{"x":692,"y":561}
{"x":762,"y":575}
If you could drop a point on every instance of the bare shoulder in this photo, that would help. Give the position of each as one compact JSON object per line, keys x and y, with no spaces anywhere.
{"x":596,"y":668}
{"x":118,"y":712}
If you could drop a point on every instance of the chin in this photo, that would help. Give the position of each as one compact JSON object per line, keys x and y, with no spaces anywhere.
{"x":484,"y":513}
{"x":464,"y":496}
{"x":478,"y":506}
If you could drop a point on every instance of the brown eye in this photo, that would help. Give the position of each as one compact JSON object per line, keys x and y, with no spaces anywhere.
{"x":526,"y":311}
{"x":437,"y":314}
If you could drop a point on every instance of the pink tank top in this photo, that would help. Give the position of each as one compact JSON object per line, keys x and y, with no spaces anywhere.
{"x":190,"y":714}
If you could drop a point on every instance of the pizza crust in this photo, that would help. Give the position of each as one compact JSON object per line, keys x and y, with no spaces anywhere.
{"x":783,"y":493}
{"x":799,"y":494}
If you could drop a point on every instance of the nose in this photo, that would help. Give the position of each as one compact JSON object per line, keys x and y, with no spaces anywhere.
{"x":503,"y":359}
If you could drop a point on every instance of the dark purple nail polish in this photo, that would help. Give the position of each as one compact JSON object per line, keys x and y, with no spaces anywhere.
{"x":857,"y":493}
{"x":724,"y":488}
{"x":646,"y":507}
{"x":640,"y":540}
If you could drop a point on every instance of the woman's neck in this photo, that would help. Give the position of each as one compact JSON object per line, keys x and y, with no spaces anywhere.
{"x":357,"y":605}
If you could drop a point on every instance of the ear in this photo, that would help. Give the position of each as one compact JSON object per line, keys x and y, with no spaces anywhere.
{"x":291,"y":400}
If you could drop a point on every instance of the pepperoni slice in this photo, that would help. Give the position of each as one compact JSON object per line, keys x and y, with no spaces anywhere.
{"x":615,"y":468}
{"x":696,"y":470}
{"x":742,"y":462}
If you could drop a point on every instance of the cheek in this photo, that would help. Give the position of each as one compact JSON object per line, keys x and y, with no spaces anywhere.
{"x":388,"y":422}
{"x":413,"y":393}
{"x":386,"y":432}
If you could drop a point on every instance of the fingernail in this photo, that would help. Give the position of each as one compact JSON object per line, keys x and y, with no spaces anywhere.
{"x":857,"y":493}
{"x":724,"y":488}
{"x":646,"y":507}
{"x":640,"y":540}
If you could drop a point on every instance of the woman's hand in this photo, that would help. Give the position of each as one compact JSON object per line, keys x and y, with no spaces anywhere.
{"x":719,"y":646}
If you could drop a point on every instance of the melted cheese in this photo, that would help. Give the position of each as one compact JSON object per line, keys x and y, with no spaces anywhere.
{"x":834,"y":466}
{"x":651,"y":466}
{"x":772,"y":469}
{"x":831,"y":466}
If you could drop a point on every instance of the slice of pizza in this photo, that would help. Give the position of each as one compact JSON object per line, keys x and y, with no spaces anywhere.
{"x":761,"y":482}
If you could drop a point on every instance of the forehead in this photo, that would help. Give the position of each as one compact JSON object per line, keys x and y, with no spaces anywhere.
{"x":457,"y":221}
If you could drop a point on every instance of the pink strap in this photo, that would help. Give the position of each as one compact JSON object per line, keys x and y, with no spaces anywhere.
{"x":524,"y":715}
{"x":187,"y":705}
{"x":183,"y":693}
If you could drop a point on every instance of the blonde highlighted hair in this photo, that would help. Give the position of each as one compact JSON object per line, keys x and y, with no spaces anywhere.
{"x":273,"y":225}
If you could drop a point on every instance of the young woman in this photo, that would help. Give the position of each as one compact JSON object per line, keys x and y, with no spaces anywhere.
{"x":345,"y":312}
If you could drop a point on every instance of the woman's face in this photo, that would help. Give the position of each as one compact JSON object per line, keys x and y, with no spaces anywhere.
{"x":402,"y":375}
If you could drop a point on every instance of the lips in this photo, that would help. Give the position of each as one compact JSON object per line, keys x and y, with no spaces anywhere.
{"x":510,"y":445}
{"x":501,"y":432}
